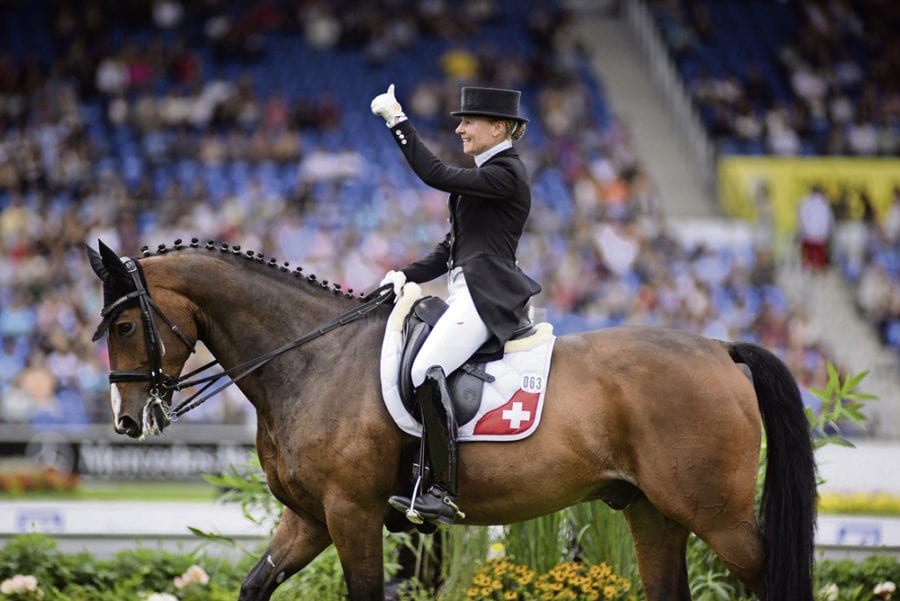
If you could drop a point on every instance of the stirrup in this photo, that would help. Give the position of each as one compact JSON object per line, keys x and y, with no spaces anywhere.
{"x":411,"y":514}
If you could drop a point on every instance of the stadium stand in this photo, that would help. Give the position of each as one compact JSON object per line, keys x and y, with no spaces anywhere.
{"x":142,"y":122}
{"x":807,"y":79}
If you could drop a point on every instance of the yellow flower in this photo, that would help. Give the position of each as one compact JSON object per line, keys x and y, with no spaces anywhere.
{"x":472,"y":593}
{"x":511,"y":595}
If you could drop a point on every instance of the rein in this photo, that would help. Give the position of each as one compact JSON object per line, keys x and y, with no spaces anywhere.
{"x":162,"y":383}
{"x":376,"y":299}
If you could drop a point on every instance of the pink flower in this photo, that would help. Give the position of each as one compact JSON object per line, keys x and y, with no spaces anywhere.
{"x":23,"y":585}
{"x":194,"y":575}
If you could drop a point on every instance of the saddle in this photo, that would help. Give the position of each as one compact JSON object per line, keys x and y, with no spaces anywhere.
{"x":466,"y":383}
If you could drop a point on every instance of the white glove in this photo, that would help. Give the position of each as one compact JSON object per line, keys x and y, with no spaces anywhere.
{"x":386,"y":106}
{"x":397,"y":278}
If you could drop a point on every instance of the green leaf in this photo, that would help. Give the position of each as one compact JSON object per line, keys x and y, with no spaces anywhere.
{"x":853,"y":381}
{"x":212,"y":536}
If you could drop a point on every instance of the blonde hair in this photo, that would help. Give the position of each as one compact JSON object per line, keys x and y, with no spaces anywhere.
{"x":515,"y":129}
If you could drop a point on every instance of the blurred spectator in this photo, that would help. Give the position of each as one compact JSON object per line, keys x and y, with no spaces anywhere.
{"x":815,"y":222}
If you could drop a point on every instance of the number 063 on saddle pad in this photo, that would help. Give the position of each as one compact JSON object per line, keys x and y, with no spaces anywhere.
{"x":511,"y":404}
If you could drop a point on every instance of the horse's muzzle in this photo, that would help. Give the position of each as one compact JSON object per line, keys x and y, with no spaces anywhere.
{"x":128,"y":426}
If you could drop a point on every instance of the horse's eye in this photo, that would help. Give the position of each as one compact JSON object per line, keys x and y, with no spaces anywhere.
{"x":124,"y":329}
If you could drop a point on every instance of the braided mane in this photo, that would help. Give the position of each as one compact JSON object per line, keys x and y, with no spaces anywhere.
{"x":255,"y":257}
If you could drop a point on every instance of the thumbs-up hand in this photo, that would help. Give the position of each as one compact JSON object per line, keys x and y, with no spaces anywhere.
{"x":386,"y":106}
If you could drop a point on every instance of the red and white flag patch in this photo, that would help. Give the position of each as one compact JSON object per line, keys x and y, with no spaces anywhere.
{"x":515,"y":417}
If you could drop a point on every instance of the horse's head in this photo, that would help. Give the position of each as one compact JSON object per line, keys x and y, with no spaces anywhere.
{"x":147,"y":344}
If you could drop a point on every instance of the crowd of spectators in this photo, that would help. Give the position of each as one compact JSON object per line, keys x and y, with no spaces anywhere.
{"x":868,"y":254}
{"x":826,"y":86}
{"x":598,"y":239}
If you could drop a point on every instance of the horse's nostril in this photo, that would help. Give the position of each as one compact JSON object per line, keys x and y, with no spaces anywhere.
{"x":127,"y":425}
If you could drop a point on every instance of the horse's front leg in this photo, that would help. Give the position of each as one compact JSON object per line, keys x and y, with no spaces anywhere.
{"x":357,"y":535}
{"x":297,"y":541}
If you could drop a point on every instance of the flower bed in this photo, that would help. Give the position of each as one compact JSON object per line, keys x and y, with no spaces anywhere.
{"x":25,"y":477}
{"x":860,"y":503}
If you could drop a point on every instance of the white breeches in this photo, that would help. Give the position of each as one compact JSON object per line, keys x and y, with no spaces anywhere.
{"x":456,"y":335}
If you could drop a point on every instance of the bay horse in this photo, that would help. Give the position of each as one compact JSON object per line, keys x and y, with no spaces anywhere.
{"x":662,"y":424}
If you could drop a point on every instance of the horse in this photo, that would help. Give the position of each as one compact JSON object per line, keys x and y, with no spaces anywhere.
{"x":662,"y":424}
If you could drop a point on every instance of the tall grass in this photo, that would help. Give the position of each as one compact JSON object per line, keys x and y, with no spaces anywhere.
{"x":589,"y":532}
{"x":465,"y":549}
{"x":603,"y":536}
{"x":540,"y":543}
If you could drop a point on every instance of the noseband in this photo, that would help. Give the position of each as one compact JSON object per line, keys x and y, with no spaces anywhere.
{"x":161,"y":383}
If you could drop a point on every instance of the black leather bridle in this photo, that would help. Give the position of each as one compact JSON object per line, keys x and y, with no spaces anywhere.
{"x":161,"y":384}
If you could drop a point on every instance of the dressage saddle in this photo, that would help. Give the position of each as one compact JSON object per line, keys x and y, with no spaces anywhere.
{"x":466,"y":383}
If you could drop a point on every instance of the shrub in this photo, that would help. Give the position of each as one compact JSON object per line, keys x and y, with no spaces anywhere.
{"x":134,"y":574}
{"x":848,"y":580}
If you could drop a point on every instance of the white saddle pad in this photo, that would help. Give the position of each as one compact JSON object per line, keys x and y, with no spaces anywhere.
{"x":511,"y":405}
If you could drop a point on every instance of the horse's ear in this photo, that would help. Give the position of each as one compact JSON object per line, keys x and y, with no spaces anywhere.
{"x":112,"y":264}
{"x":97,"y":263}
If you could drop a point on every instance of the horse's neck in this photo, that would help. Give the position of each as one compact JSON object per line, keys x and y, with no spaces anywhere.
{"x":247,"y":311}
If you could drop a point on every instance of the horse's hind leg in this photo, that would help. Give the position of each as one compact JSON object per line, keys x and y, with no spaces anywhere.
{"x":659,"y":545}
{"x":739,"y":545}
{"x":297,"y":541}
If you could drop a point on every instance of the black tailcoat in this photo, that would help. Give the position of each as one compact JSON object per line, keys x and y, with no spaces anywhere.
{"x":488,"y":209}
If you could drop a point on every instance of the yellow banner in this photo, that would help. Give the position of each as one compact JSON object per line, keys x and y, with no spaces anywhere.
{"x":748,"y":184}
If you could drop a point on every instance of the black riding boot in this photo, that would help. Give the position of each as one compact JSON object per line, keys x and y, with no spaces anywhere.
{"x":438,"y":503}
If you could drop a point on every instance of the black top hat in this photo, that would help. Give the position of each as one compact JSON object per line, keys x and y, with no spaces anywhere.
{"x":490,"y":102}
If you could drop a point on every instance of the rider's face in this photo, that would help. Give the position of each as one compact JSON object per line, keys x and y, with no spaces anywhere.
{"x":479,"y":134}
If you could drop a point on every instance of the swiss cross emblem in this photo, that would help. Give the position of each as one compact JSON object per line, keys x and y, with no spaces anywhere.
{"x":516,"y":415}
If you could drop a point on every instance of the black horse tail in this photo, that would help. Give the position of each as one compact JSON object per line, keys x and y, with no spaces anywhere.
{"x":788,"y":510}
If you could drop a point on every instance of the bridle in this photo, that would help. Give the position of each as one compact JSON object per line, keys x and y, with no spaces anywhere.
{"x":161,"y":383}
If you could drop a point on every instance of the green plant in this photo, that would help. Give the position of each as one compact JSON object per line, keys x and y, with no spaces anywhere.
{"x":712,"y":586}
{"x":30,"y":554}
{"x":602,"y":536}
{"x":540,"y":543}
{"x":246,"y":484}
{"x":840,"y":403}
{"x":133,"y":574}
{"x":465,"y":548}
{"x":851,"y":581}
